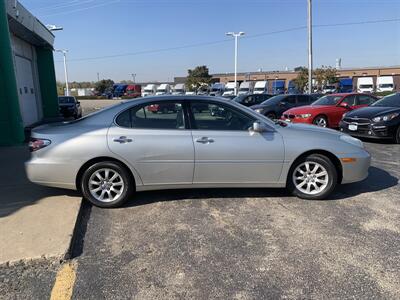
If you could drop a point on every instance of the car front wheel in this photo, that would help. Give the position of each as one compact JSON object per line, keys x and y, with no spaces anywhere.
{"x":107,"y":184}
{"x":321,"y":121}
{"x":314,"y":177}
{"x":397,"y":137}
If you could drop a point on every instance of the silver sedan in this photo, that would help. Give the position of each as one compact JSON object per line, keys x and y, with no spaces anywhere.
{"x":173,"y":142}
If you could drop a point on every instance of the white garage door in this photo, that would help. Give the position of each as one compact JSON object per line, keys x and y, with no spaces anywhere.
{"x":26,"y":91}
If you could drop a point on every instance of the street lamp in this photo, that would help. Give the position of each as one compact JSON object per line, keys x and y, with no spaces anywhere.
{"x":64,"y":52}
{"x":310,"y":48}
{"x":133,"y":77}
{"x":52,"y":27}
{"x":235,"y":35}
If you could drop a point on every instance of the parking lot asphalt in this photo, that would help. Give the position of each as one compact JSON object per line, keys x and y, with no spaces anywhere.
{"x":237,"y":243}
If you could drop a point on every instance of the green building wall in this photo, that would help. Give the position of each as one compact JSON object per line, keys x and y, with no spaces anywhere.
{"x":12,"y":129}
{"x":11,"y":124}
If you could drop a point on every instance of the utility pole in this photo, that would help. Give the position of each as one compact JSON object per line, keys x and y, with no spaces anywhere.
{"x":98,"y":76}
{"x":236,"y":36}
{"x":64,"y":52}
{"x":133,"y":77}
{"x":310,"y":55}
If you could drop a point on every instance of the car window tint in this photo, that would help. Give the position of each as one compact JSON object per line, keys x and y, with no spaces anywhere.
{"x":350,"y":100}
{"x":248,"y":100}
{"x":303,"y":99}
{"x":365,"y":100}
{"x":213,"y":116}
{"x":158,"y":115}
{"x":290,"y":99}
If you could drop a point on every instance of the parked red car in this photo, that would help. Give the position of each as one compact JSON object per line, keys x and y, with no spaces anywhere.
{"x":328,"y":110}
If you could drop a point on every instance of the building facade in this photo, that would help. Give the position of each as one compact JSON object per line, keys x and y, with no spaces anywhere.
{"x":28,"y":92}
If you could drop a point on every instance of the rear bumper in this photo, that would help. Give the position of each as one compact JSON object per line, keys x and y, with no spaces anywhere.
{"x":51,"y":174}
{"x":357,"y":170}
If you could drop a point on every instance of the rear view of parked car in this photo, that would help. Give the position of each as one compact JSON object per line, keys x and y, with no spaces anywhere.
{"x":123,"y":149}
{"x":381,"y":120}
{"x":275,"y":106}
{"x":69,"y":107}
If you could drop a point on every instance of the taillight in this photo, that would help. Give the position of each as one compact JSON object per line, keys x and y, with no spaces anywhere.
{"x":36,"y":144}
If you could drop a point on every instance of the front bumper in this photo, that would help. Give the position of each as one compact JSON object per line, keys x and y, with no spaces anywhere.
{"x":356,"y":170}
{"x":367,"y":130}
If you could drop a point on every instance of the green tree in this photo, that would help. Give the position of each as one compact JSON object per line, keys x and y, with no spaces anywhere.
{"x":198,"y":77}
{"x":104,"y":84}
{"x":302,"y":78}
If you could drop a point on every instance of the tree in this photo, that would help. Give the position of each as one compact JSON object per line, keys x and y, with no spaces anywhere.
{"x":198,"y":77}
{"x":104,"y":84}
{"x":302,"y":79}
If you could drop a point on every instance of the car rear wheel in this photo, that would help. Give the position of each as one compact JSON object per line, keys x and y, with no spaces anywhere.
{"x":314,"y":177}
{"x":106,"y":184}
{"x":321,"y":121}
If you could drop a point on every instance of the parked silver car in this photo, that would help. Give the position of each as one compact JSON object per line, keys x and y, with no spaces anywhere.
{"x":139,"y":145}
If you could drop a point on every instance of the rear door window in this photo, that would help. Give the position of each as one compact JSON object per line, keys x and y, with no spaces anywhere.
{"x":365,"y":100}
{"x":157,"y":115}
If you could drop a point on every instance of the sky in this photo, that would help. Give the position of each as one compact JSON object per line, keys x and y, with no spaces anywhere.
{"x":160,"y":39}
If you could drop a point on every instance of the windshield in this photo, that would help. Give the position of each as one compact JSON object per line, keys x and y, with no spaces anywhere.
{"x":161,"y":91}
{"x":66,"y":100}
{"x":365,"y":86}
{"x":330,"y":87}
{"x":328,"y":100}
{"x":386,"y":85}
{"x":244,"y":89}
{"x":229,"y":89}
{"x":239,"y":99}
{"x":388,"y":101}
{"x":148,"y":90}
{"x":179,"y":91}
{"x":259,"y":89}
{"x":274,"y":99}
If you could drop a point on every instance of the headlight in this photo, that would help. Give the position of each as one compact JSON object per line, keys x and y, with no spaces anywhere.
{"x":259,"y":110}
{"x":304,"y":116}
{"x":385,"y":118}
{"x":351,"y":140}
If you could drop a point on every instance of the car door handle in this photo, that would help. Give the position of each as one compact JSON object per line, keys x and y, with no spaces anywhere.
{"x":122,"y":140}
{"x":204,"y":140}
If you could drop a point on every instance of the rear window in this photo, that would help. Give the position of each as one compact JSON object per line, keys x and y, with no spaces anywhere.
{"x":66,"y":100}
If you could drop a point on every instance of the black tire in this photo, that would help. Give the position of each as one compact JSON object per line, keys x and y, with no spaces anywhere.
{"x":319,"y":120}
{"x":330,"y":169}
{"x":397,"y":136}
{"x":129,"y":184}
{"x":271,"y":115}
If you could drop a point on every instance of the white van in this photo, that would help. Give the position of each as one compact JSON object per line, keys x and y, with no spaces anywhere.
{"x":149,"y":90}
{"x":261,"y":87}
{"x":365,"y":85}
{"x":229,"y":89}
{"x":385,"y":84}
{"x":217,"y":89}
{"x":163,"y":89}
{"x":246,"y":87}
{"x":179,"y":89}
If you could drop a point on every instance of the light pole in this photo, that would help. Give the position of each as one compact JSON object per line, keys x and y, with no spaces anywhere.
{"x":133,"y":77}
{"x":310,"y":56}
{"x":64,"y":52}
{"x":236,"y":36}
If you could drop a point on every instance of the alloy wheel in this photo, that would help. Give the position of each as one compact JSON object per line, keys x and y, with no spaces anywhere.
{"x":310,"y":178}
{"x":321,"y":122}
{"x":106,"y":185}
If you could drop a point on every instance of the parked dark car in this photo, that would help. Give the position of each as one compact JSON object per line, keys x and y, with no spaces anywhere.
{"x":380,"y":120}
{"x":275,"y":106}
{"x":69,"y":107}
{"x":252,"y":99}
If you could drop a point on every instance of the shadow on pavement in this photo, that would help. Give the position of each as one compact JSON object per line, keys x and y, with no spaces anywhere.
{"x":17,"y":190}
{"x":377,"y":180}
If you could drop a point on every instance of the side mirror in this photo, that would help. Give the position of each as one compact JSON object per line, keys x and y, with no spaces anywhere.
{"x":78,"y":102}
{"x":345,"y":105}
{"x":282,"y":104}
{"x":259,"y":127}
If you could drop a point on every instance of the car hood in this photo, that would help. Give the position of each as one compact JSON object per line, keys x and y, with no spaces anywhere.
{"x":309,"y":109}
{"x":371,"y":112}
{"x":312,"y":129}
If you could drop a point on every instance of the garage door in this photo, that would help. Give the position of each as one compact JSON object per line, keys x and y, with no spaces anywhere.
{"x":26,"y":91}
